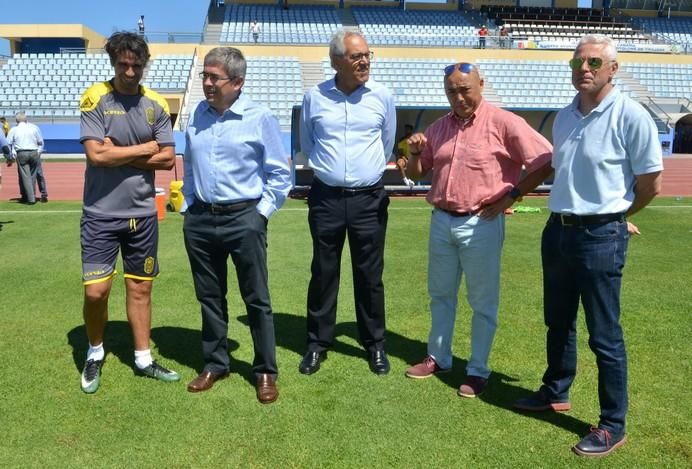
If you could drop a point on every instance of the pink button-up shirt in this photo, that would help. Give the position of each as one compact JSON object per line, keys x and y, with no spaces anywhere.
{"x":477,"y":160}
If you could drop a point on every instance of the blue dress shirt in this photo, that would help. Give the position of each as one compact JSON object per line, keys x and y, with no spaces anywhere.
{"x":236,"y":156}
{"x":348,"y":138}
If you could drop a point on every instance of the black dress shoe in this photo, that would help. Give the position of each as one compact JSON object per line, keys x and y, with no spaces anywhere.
{"x":311,"y":362}
{"x":378,"y":362}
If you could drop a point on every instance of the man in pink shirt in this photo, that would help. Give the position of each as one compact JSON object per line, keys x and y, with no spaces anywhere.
{"x":477,"y":152}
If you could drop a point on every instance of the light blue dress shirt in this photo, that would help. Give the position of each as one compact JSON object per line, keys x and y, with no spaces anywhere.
{"x":236,"y":156}
{"x":348,"y":138}
{"x":598,"y":156}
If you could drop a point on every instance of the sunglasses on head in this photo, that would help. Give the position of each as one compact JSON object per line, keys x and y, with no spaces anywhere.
{"x":463,"y":67}
{"x":594,"y":63}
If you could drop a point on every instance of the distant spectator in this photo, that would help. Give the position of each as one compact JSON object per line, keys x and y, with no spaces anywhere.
{"x":5,"y":126}
{"x":504,"y":38}
{"x":255,"y":29}
{"x":402,"y":154}
{"x":26,"y":143}
{"x":140,"y":25}
{"x":482,"y":33}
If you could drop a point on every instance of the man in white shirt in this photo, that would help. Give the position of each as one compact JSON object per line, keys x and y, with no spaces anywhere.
{"x":26,"y":143}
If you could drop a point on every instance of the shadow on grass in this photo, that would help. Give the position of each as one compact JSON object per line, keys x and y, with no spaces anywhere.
{"x":3,"y":223}
{"x":501,"y":391}
{"x":177,"y":344}
{"x":183,"y":346}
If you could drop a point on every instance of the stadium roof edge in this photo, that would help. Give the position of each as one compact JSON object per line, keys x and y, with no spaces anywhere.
{"x":14,"y":32}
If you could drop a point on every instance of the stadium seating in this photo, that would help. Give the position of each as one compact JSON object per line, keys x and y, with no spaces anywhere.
{"x":48,"y":86}
{"x":663,"y":80}
{"x":297,"y":25}
{"x":275,"y":82}
{"x":416,"y":28}
{"x":674,"y":30}
{"x":511,"y":81}
{"x":169,"y":72}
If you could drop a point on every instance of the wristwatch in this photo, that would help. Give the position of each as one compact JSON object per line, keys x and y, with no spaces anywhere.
{"x":515,"y":194}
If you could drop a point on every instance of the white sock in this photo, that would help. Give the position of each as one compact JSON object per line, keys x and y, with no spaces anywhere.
{"x":96,"y":352}
{"x":143,"y":358}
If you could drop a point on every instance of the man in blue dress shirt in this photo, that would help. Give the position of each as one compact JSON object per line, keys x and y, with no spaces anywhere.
{"x":347,"y":131}
{"x":236,"y":177}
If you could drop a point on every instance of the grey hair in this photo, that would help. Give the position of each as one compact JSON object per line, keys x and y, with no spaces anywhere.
{"x":337,"y":48}
{"x":230,"y":58}
{"x":20,"y":116}
{"x":609,"y":48}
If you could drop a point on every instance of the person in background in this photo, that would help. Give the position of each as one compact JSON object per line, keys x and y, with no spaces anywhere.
{"x":482,"y":34}
{"x":402,"y":154}
{"x":26,"y":142}
{"x":255,"y":29}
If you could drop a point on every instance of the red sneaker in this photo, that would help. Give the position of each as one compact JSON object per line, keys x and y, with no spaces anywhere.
{"x":425,"y":369}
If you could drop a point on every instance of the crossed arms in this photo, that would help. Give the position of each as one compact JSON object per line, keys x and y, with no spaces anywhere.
{"x":143,"y":156}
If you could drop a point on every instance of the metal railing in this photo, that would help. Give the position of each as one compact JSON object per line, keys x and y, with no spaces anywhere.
{"x":181,"y":122}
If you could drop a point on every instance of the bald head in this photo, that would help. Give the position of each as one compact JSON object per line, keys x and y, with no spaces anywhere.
{"x":463,"y":87}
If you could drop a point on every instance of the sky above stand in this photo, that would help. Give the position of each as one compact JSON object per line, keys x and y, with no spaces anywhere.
{"x":160,"y":16}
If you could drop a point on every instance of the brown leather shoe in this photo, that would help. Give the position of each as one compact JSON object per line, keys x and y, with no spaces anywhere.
{"x":266,"y":389}
{"x":204,"y":381}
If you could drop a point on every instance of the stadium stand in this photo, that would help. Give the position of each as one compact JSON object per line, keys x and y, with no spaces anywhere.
{"x":49,"y":85}
{"x":663,"y":80}
{"x":412,"y":28}
{"x":168,"y":73}
{"x":674,"y":30}
{"x":297,"y":25}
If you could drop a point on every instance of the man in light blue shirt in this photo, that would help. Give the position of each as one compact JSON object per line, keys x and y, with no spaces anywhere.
{"x":607,"y":160}
{"x":347,"y":131}
{"x":236,"y":177}
{"x":26,"y":143}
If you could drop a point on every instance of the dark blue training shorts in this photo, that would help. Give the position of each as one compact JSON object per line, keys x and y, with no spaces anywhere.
{"x":138,"y":238}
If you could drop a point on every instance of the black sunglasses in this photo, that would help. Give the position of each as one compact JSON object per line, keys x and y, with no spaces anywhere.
{"x":594,"y":63}
{"x":464,"y":67}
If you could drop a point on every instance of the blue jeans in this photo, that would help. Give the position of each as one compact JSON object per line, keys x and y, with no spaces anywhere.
{"x":585,"y":263}
{"x":471,"y":246}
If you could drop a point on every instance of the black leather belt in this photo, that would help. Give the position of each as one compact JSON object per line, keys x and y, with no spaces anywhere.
{"x":219,"y":209}
{"x":348,"y":190}
{"x":568,"y":219}
{"x":452,"y":213}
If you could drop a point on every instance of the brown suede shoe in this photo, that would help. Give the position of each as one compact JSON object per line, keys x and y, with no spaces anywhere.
{"x":204,"y":381}
{"x":266,"y":389}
